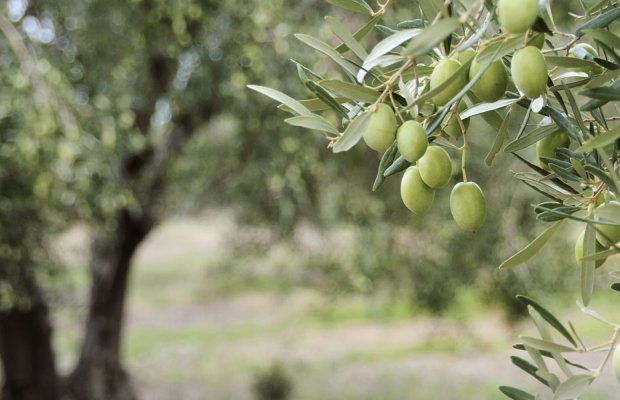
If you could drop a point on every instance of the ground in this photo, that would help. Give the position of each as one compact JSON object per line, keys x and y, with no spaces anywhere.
{"x":190,"y":336}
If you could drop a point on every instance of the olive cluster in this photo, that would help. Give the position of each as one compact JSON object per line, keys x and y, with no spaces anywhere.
{"x":432,"y":166}
{"x":432,"y":169}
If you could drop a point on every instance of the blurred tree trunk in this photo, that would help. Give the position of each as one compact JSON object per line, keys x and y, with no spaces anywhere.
{"x":99,"y":374}
{"x":27,"y":356}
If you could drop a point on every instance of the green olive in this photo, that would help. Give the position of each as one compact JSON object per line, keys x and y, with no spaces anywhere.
{"x":468,"y":206}
{"x":492,"y":84}
{"x":464,"y":56}
{"x":435,"y":167}
{"x":453,"y":128}
{"x":444,"y":70}
{"x":411,"y":140}
{"x":517,"y":16}
{"x":381,"y":130}
{"x":579,"y":250}
{"x":529,"y":71}
{"x":608,"y":235}
{"x":547,"y":145}
{"x":616,"y":362}
{"x":416,"y":195}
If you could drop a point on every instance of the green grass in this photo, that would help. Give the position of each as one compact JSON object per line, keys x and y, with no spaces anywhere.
{"x":318,"y":339}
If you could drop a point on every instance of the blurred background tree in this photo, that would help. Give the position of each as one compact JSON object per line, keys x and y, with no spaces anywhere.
{"x":121,"y":114}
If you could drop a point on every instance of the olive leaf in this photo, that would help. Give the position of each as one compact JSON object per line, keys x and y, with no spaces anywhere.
{"x":359,"y":6}
{"x":285,"y":99}
{"x":533,"y":248}
{"x":352,"y":134}
{"x":516,"y":394}
{"x":601,"y":21}
{"x":573,"y":387}
{"x":431,"y":37}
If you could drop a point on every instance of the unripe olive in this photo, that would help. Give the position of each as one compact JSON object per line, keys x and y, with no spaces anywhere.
{"x":579,"y":251}
{"x":547,"y":145}
{"x":608,"y":235}
{"x":411,"y":140}
{"x":492,"y":84}
{"x":464,"y":56}
{"x":416,"y":195}
{"x":453,"y":128}
{"x":435,"y":167}
{"x":517,"y":16}
{"x":444,"y":70}
{"x":529,"y":71}
{"x":616,"y":362}
{"x":381,"y":130}
{"x":468,"y":206}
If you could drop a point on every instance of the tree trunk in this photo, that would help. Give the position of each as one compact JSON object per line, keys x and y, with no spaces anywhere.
{"x":27,"y":356}
{"x":99,"y":374}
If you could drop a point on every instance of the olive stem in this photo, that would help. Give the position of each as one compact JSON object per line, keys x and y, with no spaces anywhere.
{"x":455,"y":114}
{"x":612,"y":344}
{"x":382,"y":9}
{"x":390,"y":83}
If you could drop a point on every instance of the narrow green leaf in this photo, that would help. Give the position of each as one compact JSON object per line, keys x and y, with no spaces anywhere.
{"x":359,"y":6}
{"x":548,"y":355}
{"x":293,"y":104}
{"x":352,"y":134}
{"x":327,"y":98}
{"x":362,"y":32}
{"x":475,"y":38}
{"x":516,"y":394}
{"x":388,"y":44}
{"x":314,"y":105}
{"x":312,"y":122}
{"x":531,"y":138}
{"x":588,"y":266}
{"x":501,"y":48}
{"x":352,"y":91}
{"x":573,"y":387}
{"x":399,"y":165}
{"x":603,"y":93}
{"x":499,"y":140}
{"x":601,"y":140}
{"x":431,"y":37}
{"x":564,"y":124}
{"x":386,"y":161}
{"x":603,"y":36}
{"x":531,"y":249}
{"x":601,"y":21}
{"x":548,"y":316}
{"x":602,"y":175}
{"x":568,"y":62}
{"x":343,"y":33}
{"x":485,"y":107}
{"x":575,"y":109}
{"x":328,"y":51}
{"x":608,"y":64}
{"x":546,"y":345}
{"x":411,"y":24}
{"x":529,"y":368}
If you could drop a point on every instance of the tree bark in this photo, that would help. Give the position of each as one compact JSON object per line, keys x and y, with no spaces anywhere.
{"x":99,"y":374}
{"x":27,"y":356}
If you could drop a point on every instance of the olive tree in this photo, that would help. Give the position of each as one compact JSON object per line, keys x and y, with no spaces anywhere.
{"x":544,"y":79}
{"x":116,"y":93}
